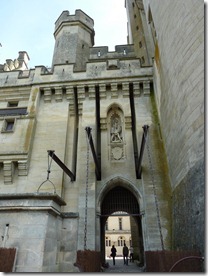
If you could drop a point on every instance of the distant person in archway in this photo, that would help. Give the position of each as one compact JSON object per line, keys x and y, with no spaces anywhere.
{"x":113,"y":253}
{"x":125,"y":254}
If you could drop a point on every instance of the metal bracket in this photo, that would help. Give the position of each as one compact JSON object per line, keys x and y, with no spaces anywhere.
{"x":61,"y":164}
{"x":139,"y":169}
{"x":97,"y":164}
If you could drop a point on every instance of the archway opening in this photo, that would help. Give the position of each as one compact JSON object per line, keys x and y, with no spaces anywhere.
{"x":121,"y":222}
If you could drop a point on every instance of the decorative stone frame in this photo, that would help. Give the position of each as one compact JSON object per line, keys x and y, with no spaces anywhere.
{"x":116,"y":138}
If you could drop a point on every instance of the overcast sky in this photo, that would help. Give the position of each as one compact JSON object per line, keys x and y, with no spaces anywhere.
{"x":28,"y":25}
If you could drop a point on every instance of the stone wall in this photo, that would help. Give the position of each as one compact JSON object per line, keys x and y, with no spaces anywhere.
{"x":179,"y":92}
{"x":32,"y":224}
{"x":63,"y":102}
{"x":179,"y":63}
{"x":189,"y":211}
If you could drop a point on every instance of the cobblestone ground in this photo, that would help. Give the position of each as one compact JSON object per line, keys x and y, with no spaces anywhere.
{"x":119,"y":267}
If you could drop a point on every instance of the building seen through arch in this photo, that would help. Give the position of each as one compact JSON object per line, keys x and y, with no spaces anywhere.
{"x":103,"y":133}
{"x":121,"y":217}
{"x":117,"y":233}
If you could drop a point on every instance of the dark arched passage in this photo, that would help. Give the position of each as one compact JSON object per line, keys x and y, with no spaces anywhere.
{"x":122,"y":199}
{"x":117,"y":199}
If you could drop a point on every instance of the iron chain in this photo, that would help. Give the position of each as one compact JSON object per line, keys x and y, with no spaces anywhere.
{"x":86,"y":195}
{"x":154,"y":190}
{"x":48,"y":180}
{"x":49,"y":165}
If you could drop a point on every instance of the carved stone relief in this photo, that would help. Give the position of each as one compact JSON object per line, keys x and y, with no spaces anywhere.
{"x":116,"y":129}
{"x":116,"y":133}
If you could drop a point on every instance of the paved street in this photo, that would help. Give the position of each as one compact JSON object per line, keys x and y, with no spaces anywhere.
{"x":119,"y":266}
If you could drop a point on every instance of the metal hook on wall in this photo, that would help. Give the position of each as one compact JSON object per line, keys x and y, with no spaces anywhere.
{"x":48,"y":172}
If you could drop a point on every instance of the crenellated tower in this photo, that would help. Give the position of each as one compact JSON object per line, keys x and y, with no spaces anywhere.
{"x":74,"y":35}
{"x":138,"y":33}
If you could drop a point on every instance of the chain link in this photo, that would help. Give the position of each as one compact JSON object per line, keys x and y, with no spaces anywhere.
{"x":49,"y":165}
{"x":48,"y":173}
{"x":154,"y":188}
{"x":86,"y":195}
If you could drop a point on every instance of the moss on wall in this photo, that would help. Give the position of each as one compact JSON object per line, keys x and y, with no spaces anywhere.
{"x":29,"y":134}
{"x":161,"y":165}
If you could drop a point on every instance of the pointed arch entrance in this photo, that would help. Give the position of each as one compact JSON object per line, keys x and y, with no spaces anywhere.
{"x":120,"y":198}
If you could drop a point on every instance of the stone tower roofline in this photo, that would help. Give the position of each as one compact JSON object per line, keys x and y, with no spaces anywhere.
{"x":23,"y":55}
{"x":17,"y":64}
{"x":80,"y":17}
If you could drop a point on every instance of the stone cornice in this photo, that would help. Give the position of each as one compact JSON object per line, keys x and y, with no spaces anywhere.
{"x":33,"y":196}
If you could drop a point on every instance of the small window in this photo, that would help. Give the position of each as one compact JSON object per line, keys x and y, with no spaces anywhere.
{"x":120,"y":223}
{"x":121,"y":241}
{"x":107,"y":241}
{"x":106,"y":225}
{"x":12,"y":104}
{"x":137,"y":27}
{"x":8,"y":125}
{"x":140,"y":44}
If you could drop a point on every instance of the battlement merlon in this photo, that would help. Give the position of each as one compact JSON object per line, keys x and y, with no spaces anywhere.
{"x":79,"y":16}
{"x":121,"y":51}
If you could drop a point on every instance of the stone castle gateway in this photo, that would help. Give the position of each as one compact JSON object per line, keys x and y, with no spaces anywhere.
{"x":102,"y":132}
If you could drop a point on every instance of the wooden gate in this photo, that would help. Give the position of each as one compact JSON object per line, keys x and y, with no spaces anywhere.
{"x":174,"y":261}
{"x":7,"y":259}
{"x":88,"y":261}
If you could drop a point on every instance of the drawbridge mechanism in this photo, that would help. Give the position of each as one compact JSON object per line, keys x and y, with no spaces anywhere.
{"x":95,"y":158}
{"x":47,"y":179}
{"x":61,"y":164}
{"x":97,"y":163}
{"x":139,"y":168}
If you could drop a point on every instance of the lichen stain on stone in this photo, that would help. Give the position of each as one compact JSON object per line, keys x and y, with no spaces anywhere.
{"x":28,"y":135}
{"x":32,"y":109}
{"x":34,"y":96}
{"x":157,"y":55}
{"x":34,"y":93}
{"x":162,"y":167}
